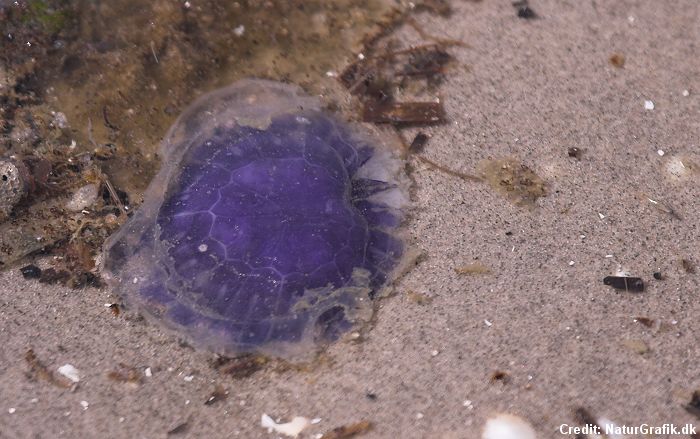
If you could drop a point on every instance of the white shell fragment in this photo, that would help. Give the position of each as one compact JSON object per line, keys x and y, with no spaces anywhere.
{"x":70,"y":372}
{"x":505,"y":426}
{"x":292,"y":428}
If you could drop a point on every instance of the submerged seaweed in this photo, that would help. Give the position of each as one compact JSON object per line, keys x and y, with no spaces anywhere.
{"x":269,"y":228}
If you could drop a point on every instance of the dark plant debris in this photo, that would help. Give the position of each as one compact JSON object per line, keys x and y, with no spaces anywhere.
{"x":240,"y":367}
{"x":348,"y":431}
{"x":630,"y":284}
{"x":404,"y":113}
{"x":646,"y":321}
{"x":617,"y":60}
{"x":125,"y":374}
{"x":500,"y":376}
{"x":524,"y":10}
{"x":38,"y":371}
{"x":377,"y":80}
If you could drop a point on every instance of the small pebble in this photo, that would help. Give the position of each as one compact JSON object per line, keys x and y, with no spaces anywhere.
{"x":648,"y":105}
{"x":686,"y":93}
{"x":11,"y":410}
{"x":660,"y":152}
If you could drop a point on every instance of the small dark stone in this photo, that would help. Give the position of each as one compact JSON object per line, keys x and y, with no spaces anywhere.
{"x":509,"y":233}
{"x":574,"y":152}
{"x":633,"y":284}
{"x":371,"y":396}
{"x":526,"y":12}
{"x":658,"y":276}
{"x":31,"y":272}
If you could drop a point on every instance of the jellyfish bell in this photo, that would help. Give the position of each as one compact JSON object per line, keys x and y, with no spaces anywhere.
{"x":271,"y":227}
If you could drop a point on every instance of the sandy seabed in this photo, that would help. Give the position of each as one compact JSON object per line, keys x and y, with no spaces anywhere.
{"x":532,"y":90}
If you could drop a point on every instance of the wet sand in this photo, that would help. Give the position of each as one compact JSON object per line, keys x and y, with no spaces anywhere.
{"x":532,"y":90}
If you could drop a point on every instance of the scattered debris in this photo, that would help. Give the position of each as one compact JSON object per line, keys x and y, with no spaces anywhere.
{"x":30,"y":271}
{"x":514,"y":180}
{"x":37,"y":370}
{"x":218,"y":394}
{"x":404,"y":113}
{"x":574,"y":152}
{"x":617,"y":60}
{"x":693,"y":407}
{"x":524,"y":10}
{"x":630,"y":284}
{"x":418,"y":298}
{"x":126,"y":374}
{"x":473,"y":268}
{"x":646,"y":321}
{"x":507,"y":426}
{"x":292,"y":428}
{"x":500,"y":376}
{"x":636,"y":345}
{"x":348,"y":431}
{"x":688,"y":266}
{"x":69,"y":371}
{"x":240,"y":367}
{"x":179,"y":428}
